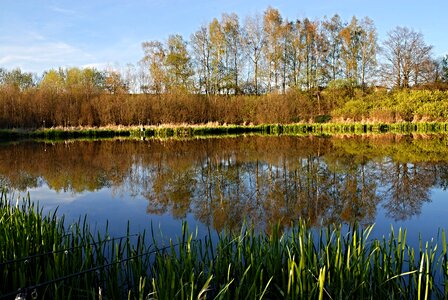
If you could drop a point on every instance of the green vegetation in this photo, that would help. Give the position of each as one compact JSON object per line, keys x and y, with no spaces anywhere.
{"x":207,"y":130}
{"x":41,"y":257}
{"x":64,"y":133}
{"x":398,"y":106}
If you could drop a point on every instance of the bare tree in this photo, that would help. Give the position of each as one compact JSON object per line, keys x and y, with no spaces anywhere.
{"x":296,"y":53}
{"x":200,"y":43}
{"x":368,"y":50}
{"x":255,"y":41}
{"x":311,"y":40}
{"x":406,"y":55}
{"x":272,"y":24}
{"x":333,"y":43}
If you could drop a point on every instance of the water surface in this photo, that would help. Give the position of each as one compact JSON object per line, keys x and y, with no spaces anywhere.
{"x":397,"y":180}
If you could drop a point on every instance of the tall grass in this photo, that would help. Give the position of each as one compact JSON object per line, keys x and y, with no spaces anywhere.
{"x":42,"y":258}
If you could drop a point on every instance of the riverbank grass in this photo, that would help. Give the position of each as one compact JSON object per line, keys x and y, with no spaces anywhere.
{"x":214,"y":129}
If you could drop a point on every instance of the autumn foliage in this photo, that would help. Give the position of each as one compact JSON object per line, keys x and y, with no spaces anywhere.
{"x":37,"y":108}
{"x":263,"y":69}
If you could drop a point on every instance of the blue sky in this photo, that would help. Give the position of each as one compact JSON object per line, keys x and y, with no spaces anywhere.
{"x":37,"y":35}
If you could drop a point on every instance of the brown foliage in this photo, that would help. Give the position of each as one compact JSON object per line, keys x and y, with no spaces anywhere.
{"x":35,"y":108}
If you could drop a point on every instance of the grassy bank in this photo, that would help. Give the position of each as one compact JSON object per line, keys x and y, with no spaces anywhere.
{"x":183,"y":130}
{"x":63,"y":133}
{"x":42,"y":258}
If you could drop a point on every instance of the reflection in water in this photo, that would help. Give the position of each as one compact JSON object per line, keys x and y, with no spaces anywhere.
{"x":224,"y":181}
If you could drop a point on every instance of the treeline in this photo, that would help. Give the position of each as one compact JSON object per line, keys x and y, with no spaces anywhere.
{"x":264,"y":69}
{"x":267,"y":53}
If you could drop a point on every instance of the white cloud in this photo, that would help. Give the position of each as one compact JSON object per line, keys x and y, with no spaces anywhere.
{"x":97,"y":65}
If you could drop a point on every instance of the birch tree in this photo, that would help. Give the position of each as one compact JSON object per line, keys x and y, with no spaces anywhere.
{"x":272,"y":24}
{"x":201,"y":46}
{"x":255,"y":42}
{"x":233,"y":50}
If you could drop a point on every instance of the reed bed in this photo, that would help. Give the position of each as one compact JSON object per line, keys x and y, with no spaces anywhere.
{"x":186,"y":130}
{"x":41,"y":258}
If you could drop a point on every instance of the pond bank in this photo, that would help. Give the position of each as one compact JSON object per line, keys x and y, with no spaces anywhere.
{"x":185,"y":130}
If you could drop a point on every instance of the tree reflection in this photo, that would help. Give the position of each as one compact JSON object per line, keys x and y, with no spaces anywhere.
{"x":225,"y":181}
{"x":407,"y":188}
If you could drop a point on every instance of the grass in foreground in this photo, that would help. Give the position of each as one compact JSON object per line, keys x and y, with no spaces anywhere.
{"x":42,"y":258}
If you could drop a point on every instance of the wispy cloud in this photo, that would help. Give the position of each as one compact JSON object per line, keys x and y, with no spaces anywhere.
{"x":64,"y":11}
{"x":42,"y":54}
{"x":35,"y":52}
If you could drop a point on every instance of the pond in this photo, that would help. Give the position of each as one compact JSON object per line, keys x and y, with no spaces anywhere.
{"x":218,"y":183}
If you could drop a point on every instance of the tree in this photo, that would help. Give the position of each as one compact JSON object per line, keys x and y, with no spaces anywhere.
{"x":272,"y":25}
{"x":53,"y":87}
{"x":92,"y":81}
{"x":406,"y":55}
{"x":130,"y":78}
{"x":310,"y":39}
{"x":217,"y":44}
{"x":53,"y":81}
{"x":201,"y":46}
{"x":233,"y":48}
{"x":444,"y":68}
{"x":287,"y":31}
{"x":85,"y":81}
{"x":368,"y":50}
{"x":155,"y":60}
{"x":295,"y":54}
{"x":254,"y":41}
{"x":178,"y":64}
{"x":17,"y":79}
{"x":358,"y":50}
{"x":333,"y":43}
{"x":3,"y":73}
{"x":114,"y":83}
{"x":350,"y":36}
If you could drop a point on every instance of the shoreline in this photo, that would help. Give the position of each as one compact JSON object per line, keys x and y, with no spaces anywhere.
{"x":205,"y":130}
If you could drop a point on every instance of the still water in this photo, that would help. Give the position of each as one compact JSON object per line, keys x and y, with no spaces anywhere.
{"x":217,"y":183}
